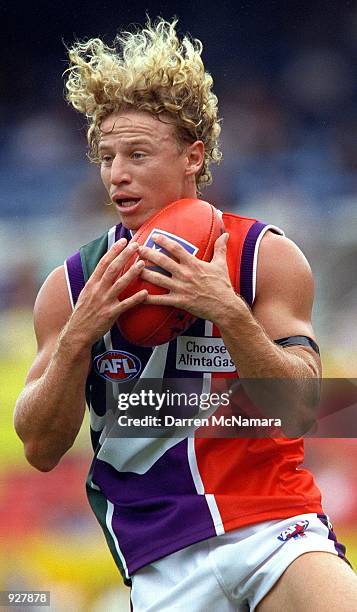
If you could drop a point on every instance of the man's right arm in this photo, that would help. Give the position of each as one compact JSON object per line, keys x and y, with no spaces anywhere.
{"x":50,"y":409}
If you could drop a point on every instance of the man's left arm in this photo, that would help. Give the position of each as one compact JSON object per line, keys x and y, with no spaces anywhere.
{"x":282,"y":308}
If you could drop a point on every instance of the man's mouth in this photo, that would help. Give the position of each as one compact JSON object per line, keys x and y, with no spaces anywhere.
{"x":126,"y":202}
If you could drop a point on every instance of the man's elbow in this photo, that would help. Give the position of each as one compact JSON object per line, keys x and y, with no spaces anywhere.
{"x":41,"y":459}
{"x":302,"y":416}
{"x":305,"y":424}
{"x":302,"y":419}
{"x":298,"y":427}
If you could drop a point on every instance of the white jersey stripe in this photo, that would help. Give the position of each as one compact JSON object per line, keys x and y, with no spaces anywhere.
{"x":111,"y":237}
{"x":97,"y":422}
{"x":210,"y":498}
{"x":155,"y":367}
{"x":68,"y":284}
{"x":108,"y":520}
{"x":108,"y":341}
{"x":256,"y":250}
{"x":208,"y":328}
{"x":217,"y":519}
{"x":103,"y":423}
{"x":192,"y":458}
{"x":94,"y":486}
{"x":112,"y":387}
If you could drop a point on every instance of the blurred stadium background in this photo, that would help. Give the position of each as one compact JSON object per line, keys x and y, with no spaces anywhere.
{"x":285,"y":73}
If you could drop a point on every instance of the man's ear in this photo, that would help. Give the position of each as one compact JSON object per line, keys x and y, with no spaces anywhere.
{"x":195,"y":154}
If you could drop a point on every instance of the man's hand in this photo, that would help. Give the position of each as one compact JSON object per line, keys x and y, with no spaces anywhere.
{"x":98,"y":305}
{"x":201,"y":288}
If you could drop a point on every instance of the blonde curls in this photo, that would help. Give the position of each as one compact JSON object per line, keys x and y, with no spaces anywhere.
{"x":147,"y":70}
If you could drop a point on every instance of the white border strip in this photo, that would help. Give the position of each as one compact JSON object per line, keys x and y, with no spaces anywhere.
{"x":255,"y":260}
{"x":108,"y":341}
{"x":208,"y":328}
{"x":94,"y":486}
{"x":217,"y":519}
{"x":192,"y":458}
{"x":108,"y":338}
{"x":97,"y":422}
{"x":210,"y":498}
{"x":155,"y":367}
{"x":68,"y":284}
{"x":108,"y":520}
{"x":111,"y":236}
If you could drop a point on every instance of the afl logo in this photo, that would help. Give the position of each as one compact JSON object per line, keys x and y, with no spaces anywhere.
{"x":117,"y":366}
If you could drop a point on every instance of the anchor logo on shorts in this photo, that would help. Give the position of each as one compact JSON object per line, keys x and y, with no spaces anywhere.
{"x":294,"y":531}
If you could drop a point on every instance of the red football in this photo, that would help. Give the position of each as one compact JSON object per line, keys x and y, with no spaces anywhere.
{"x":196,"y":225}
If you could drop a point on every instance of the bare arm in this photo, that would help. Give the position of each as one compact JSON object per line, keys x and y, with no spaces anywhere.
{"x":50,"y":410}
{"x":282,"y":308}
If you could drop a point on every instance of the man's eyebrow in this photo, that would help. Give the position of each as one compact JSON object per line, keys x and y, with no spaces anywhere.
{"x":137,"y":140}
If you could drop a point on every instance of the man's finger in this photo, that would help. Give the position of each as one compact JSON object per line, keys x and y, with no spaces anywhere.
{"x":160,"y":259}
{"x":173,"y":247}
{"x":133,"y":300}
{"x":167,"y":299}
{"x":125,"y":280}
{"x":117,"y":264}
{"x":161,"y":280}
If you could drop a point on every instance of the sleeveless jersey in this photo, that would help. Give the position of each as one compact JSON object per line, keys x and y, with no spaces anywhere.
{"x":154,"y":496}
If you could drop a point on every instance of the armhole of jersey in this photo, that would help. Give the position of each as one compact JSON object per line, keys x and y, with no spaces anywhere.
{"x":265,"y":229}
{"x":249,"y":260}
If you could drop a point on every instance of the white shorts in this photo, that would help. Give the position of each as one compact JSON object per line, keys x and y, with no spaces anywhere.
{"x":233,"y":571}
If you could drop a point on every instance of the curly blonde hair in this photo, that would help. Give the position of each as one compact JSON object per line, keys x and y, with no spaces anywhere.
{"x":147,"y":70}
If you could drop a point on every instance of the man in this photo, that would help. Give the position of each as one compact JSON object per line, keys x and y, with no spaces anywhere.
{"x":214,"y":524}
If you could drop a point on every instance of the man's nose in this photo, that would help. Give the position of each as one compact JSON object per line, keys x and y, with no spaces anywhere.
{"x":119,"y":171}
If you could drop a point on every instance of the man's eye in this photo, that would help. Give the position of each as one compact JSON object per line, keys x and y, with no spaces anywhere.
{"x":137,"y":155}
{"x":107,"y":159}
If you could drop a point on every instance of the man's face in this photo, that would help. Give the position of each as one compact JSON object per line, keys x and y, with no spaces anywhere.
{"x":142,"y":166}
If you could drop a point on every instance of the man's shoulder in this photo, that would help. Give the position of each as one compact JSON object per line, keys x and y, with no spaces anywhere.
{"x":278,"y":250}
{"x":101,"y":240}
{"x":282,"y":266}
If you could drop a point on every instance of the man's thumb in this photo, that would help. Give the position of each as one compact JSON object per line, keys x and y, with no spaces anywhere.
{"x":220,"y":245}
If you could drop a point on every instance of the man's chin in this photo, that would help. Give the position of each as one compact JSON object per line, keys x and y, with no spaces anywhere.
{"x":134,"y":224}
{"x":130,"y":226}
